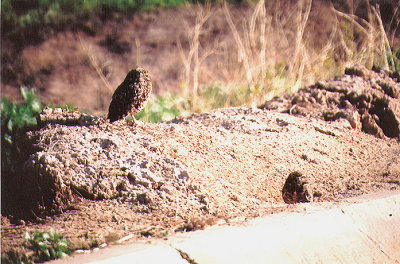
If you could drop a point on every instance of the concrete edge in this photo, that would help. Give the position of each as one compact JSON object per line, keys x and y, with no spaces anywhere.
{"x":364,"y":228}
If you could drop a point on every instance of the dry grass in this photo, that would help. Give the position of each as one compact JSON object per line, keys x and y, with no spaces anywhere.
{"x":191,"y":60}
{"x":271,"y":55}
{"x":374,"y":46}
{"x":220,"y":56}
{"x":257,"y":72}
{"x":94,"y":62}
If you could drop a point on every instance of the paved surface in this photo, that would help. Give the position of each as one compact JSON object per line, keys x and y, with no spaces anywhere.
{"x":363,"y":230}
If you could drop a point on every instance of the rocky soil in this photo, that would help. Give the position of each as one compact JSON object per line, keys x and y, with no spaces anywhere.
{"x":369,"y":100}
{"x":88,"y":178}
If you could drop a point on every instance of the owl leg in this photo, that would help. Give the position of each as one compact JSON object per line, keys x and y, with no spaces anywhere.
{"x":106,"y":122}
{"x":133,"y":120}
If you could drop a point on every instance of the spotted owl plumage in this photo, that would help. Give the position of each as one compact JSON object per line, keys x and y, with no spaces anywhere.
{"x":131,"y":95}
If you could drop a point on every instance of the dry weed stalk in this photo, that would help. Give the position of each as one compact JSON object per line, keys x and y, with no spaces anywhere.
{"x":138,"y":60}
{"x":257,"y":52}
{"x":192,"y":61}
{"x":95,"y":64}
{"x":272,"y":53}
{"x":243,"y":57}
{"x":104,"y":94}
{"x":297,"y":65}
{"x":395,"y":22}
{"x":375,"y":43}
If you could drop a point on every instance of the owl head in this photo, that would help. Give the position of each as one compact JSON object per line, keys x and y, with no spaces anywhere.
{"x":136,"y":74}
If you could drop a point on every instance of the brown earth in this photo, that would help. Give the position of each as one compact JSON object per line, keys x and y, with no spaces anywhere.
{"x":87,"y":178}
{"x":67,"y":64}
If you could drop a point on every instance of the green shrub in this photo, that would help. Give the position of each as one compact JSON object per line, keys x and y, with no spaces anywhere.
{"x":168,"y":106}
{"x":43,"y":246}
{"x":15,"y":256}
{"x":216,"y":96}
{"x":162,"y":108}
{"x":16,"y":118}
{"x":46,"y":246}
{"x":24,"y":15}
{"x":25,"y":22}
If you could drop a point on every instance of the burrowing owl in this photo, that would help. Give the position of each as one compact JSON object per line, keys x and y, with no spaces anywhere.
{"x":131,"y":95}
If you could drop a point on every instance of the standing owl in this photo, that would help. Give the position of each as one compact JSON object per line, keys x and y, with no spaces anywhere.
{"x":131,"y":95}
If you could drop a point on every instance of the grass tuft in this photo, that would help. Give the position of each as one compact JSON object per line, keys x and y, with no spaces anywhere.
{"x":46,"y":246}
{"x":40,"y":246}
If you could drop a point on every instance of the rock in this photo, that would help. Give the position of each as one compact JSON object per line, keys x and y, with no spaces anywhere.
{"x":143,"y":198}
{"x":370,"y":126}
{"x":362,"y":97}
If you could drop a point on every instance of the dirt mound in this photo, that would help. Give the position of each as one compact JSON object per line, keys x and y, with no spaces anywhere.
{"x":369,"y":100}
{"x":226,"y":163}
{"x":84,"y":156}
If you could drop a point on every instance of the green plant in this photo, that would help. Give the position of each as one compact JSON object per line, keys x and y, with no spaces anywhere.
{"x":68,"y":107}
{"x":16,"y":118}
{"x":15,"y":256}
{"x":394,"y":60}
{"x":217,"y":96}
{"x":42,"y":246}
{"x":88,"y":242}
{"x":46,"y":246}
{"x":168,"y":106}
{"x":18,"y":17}
{"x":162,"y":108}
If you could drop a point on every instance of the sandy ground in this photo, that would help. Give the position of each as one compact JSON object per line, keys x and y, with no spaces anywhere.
{"x":239,"y":160}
